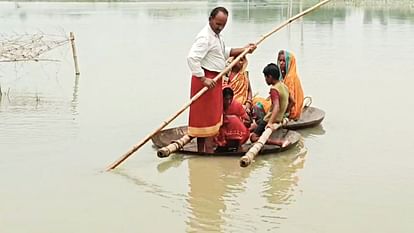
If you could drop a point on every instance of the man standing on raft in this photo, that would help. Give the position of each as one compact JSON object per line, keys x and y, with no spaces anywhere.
{"x":206,"y":59}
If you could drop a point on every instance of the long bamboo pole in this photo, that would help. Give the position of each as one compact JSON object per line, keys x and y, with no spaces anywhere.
{"x":204,"y":89}
{"x":248,"y":158}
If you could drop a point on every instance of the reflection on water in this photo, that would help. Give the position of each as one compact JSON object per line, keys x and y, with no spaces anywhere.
{"x":74,"y":102}
{"x":219,"y":187}
{"x":33,"y":118}
{"x":149,"y":187}
{"x":36,"y":107}
{"x":211,"y":182}
{"x":174,"y":160}
{"x":220,"y":191}
{"x":312,"y":132}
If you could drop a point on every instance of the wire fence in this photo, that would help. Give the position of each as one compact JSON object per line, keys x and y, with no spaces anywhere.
{"x":29,"y":47}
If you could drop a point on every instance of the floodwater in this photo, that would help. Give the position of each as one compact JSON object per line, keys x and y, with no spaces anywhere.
{"x":58,"y":132}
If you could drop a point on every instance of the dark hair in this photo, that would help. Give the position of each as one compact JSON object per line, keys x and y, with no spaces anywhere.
{"x":227,"y":92}
{"x":272,"y":70}
{"x":216,"y":10}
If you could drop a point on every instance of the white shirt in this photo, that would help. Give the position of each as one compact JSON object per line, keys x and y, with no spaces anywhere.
{"x":208,"y":51}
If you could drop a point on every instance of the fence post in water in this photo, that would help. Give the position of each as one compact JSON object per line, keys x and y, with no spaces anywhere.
{"x":75,"y":55}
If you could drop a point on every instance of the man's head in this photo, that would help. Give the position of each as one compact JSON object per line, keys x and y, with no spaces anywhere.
{"x":271,"y":73}
{"x":218,"y":19}
{"x":227,"y":96}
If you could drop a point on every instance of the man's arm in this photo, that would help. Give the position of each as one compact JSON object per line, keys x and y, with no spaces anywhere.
{"x":275,"y":103}
{"x":234,"y":52}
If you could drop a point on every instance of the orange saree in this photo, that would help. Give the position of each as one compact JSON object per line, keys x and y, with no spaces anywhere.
{"x":239,"y":83}
{"x":294,"y":85}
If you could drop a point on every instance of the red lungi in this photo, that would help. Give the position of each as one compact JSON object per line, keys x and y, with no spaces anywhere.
{"x":206,"y":113}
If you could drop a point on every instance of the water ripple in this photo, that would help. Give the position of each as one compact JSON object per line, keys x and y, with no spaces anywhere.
{"x":31,"y":119}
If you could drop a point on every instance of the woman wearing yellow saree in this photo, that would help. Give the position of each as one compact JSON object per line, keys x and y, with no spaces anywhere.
{"x":287,"y":65}
{"x":238,"y":80}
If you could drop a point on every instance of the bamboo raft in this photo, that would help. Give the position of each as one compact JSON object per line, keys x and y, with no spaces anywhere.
{"x":310,"y":117}
{"x":165,"y":137}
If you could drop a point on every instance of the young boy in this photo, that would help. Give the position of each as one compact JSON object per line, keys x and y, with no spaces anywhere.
{"x":279,"y":95}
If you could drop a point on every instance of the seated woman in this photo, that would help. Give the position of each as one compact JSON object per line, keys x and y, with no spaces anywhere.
{"x":286,"y":62}
{"x":238,"y":79}
{"x":235,"y":129}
